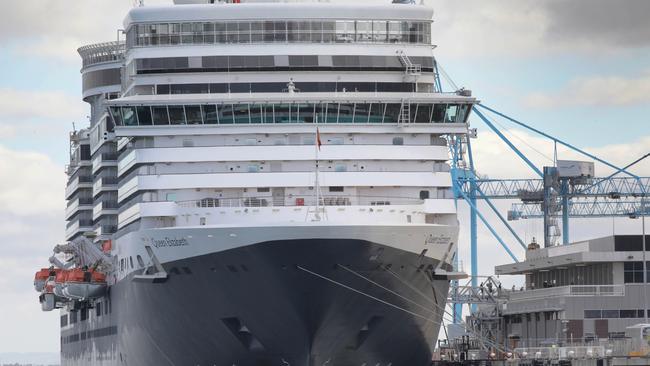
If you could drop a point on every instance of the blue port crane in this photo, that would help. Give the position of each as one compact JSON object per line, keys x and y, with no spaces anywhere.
{"x":551,"y":196}
{"x":547,"y":197}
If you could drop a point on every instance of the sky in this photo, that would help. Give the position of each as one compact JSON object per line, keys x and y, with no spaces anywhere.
{"x":577,"y":69}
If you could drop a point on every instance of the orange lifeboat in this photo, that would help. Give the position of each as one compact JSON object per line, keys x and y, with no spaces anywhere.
{"x":83,"y":285}
{"x":43,"y":283}
{"x":59,"y":282}
{"x":41,"y":277}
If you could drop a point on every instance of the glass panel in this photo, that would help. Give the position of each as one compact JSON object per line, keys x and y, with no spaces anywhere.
{"x":463,"y":113}
{"x":361,"y":112}
{"x":160,"y":116}
{"x":176,"y":115}
{"x":377,"y":112}
{"x":332,"y":115}
{"x":144,"y":116}
{"x":267,"y":113}
{"x":226,"y":115}
{"x":319,"y":113}
{"x":244,"y":29}
{"x":193,"y":113}
{"x":208,"y":32}
{"x":423,"y":114}
{"x":439,"y":113}
{"x":379,"y":31}
{"x":392,"y":113}
{"x":282,"y":113}
{"x":452,"y":112}
{"x":220,"y":32}
{"x":344,"y":31}
{"x":305,"y":113}
{"x":209,"y":114}
{"x":163,"y":34}
{"x":240,"y":113}
{"x":256,"y":113}
{"x":345,"y":113}
{"x":329,"y":32}
{"x":364,"y":31}
{"x":610,"y":314}
{"x":396,"y":33}
{"x":128,"y":113}
{"x":175,"y":33}
{"x":117,"y":115}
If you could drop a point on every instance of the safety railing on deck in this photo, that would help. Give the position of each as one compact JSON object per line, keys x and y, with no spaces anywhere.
{"x":579,"y":290}
{"x":297,"y":201}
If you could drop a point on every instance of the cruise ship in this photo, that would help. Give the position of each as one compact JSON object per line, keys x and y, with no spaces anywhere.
{"x":261,"y":183}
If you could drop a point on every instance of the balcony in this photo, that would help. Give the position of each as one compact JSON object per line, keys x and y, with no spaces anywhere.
{"x":105,"y":207}
{"x":79,"y":182}
{"x":105,"y":184}
{"x":104,"y":160}
{"x":77,"y":227}
{"x":79,"y":204}
{"x":106,"y":230}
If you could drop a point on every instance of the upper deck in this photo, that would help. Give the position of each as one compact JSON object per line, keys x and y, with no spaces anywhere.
{"x":278,"y":23}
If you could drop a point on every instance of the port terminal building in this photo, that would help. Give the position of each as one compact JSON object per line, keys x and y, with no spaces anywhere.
{"x":578,"y":293}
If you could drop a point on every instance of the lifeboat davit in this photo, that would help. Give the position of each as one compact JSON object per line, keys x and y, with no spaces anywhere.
{"x":83,"y":285}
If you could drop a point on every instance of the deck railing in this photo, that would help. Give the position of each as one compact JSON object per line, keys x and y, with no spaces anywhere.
{"x":576,"y":290}
{"x":297,"y":201}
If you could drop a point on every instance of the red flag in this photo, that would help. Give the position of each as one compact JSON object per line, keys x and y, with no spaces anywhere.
{"x":318,"y":142}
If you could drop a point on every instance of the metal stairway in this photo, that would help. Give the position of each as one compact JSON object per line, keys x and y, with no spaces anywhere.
{"x":411,"y":69}
{"x":405,"y":113}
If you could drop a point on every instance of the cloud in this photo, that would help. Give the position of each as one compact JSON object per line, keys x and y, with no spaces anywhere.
{"x":531,"y":28}
{"x":31,"y":184}
{"x":30,"y":104}
{"x":31,"y":223}
{"x":57,"y":28}
{"x":599,"y":22}
{"x":595,"y":91}
{"x":27,"y":115}
{"x":495,"y":160}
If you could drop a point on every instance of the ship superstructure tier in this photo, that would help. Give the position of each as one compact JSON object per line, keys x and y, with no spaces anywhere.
{"x":272,"y":178}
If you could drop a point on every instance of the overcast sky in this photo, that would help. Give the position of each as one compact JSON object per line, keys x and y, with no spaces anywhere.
{"x":578,"y":69}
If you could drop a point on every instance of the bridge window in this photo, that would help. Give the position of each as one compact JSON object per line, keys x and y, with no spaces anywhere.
{"x":245,"y":113}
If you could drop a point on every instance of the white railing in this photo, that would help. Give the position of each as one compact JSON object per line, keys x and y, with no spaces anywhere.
{"x":563,"y":291}
{"x":297,"y":201}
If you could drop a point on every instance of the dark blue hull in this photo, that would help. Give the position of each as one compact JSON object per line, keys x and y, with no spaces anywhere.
{"x":273,"y":303}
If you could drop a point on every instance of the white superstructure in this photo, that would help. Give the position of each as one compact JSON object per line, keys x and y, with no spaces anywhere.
{"x":206,"y":114}
{"x":275,"y":134}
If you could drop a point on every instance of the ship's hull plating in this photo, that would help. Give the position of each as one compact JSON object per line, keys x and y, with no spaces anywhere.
{"x":290,"y":302}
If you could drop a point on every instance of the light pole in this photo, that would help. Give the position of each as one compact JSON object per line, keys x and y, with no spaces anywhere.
{"x":645,"y":269}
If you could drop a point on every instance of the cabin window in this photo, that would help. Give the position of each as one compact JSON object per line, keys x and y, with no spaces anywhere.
{"x":140,"y":261}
